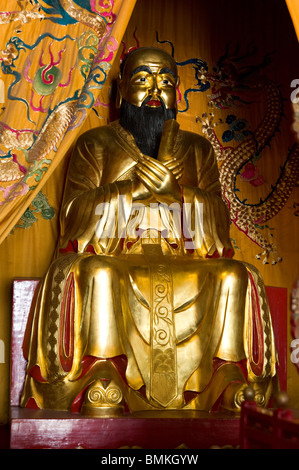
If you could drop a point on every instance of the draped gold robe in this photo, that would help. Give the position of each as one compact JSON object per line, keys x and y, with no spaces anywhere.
{"x":175,"y":317}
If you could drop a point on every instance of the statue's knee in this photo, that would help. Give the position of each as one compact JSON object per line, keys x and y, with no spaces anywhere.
{"x":96,"y":266}
{"x":234,"y":271}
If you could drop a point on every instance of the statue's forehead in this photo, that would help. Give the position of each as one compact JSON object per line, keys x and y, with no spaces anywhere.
{"x":153,"y":58}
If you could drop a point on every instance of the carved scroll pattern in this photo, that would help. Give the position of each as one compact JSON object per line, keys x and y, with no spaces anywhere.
{"x":163,"y":343}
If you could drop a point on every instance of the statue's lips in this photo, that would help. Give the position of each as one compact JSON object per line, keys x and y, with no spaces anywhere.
{"x":154,"y":103}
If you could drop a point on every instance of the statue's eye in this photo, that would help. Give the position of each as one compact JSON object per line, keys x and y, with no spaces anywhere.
{"x":166,"y":82}
{"x":141,"y":80}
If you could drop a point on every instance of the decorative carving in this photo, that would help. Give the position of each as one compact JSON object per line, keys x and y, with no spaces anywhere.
{"x":163,"y":352}
{"x":103,"y":397}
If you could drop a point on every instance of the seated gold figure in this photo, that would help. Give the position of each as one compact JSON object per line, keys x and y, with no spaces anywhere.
{"x":144,"y":308}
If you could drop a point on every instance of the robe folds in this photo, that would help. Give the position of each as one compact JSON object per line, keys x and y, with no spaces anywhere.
{"x":151,"y":288}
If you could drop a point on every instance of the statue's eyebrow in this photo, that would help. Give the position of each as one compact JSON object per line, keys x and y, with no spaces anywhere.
{"x":167,"y":70}
{"x":145,"y":68}
{"x":141,"y":68}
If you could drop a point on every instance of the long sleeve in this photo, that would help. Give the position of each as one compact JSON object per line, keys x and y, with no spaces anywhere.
{"x":88,"y":204}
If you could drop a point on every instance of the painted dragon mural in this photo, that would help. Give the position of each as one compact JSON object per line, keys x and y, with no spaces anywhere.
{"x":232,"y":83}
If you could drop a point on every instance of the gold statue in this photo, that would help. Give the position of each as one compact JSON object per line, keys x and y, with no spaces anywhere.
{"x":144,"y":309}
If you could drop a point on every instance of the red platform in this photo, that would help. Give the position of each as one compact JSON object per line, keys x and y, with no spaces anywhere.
{"x":62,"y":430}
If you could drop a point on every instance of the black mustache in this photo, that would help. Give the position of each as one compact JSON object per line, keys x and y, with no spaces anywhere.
{"x":149,"y":98}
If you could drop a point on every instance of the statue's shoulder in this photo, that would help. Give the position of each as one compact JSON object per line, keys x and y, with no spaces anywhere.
{"x":97,"y":135}
{"x":196,"y":140}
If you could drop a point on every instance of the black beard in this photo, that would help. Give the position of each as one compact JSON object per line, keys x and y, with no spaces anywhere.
{"x":145,"y":124}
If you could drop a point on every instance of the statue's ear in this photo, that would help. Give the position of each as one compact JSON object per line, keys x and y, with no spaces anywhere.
{"x":118,"y":99}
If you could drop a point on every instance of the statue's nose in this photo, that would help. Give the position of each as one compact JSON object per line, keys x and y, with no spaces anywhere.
{"x":155,"y":89}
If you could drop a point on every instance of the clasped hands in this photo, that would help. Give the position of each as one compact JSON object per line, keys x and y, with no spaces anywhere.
{"x":157,"y":180}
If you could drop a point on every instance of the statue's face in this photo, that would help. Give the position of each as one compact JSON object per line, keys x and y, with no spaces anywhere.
{"x":149,"y":77}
